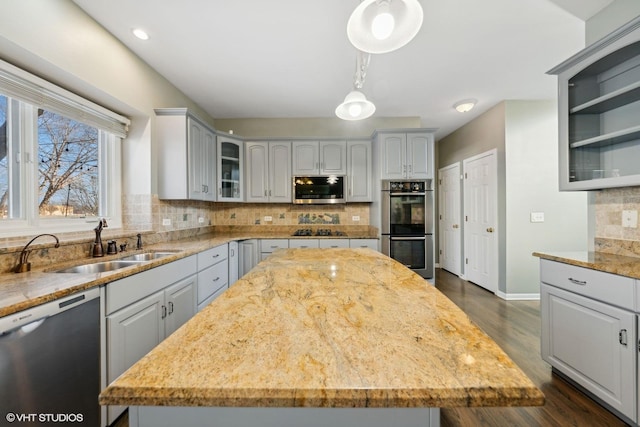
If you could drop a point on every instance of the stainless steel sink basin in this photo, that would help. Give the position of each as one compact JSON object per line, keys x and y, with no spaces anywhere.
{"x":147,"y":256}
{"x":100,"y":267}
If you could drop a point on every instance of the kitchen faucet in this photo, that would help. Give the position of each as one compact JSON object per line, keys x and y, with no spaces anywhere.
{"x":97,"y":249}
{"x":23,"y":264}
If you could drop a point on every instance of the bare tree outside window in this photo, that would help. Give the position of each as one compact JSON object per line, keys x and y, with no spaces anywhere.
{"x":67,"y":167}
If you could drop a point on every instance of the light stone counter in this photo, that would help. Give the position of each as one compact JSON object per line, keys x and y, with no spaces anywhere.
{"x":323,"y":328}
{"x":621,"y":265}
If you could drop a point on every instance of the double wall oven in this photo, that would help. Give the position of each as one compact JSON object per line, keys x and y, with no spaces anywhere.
{"x":407,"y":224}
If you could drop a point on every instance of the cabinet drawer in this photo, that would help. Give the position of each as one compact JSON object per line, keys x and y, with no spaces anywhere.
{"x":133,"y":288}
{"x":334,"y":243}
{"x":270,"y":245}
{"x":211,"y":280}
{"x":212,"y":256}
{"x":364,"y":243}
{"x":209,"y":299}
{"x":606,"y":287}
{"x":303,"y":243}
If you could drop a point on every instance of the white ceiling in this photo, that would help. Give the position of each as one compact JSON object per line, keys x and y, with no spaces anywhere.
{"x":292,"y":58}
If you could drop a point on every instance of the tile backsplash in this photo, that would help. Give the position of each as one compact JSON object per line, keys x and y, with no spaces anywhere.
{"x":610,"y":235}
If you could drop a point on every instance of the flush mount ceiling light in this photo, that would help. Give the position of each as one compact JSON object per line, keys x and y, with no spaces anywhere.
{"x":356,"y":106}
{"x":381,"y":26}
{"x":464,"y":105}
{"x":140,"y":33}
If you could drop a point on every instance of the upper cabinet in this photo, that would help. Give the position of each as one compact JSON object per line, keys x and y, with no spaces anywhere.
{"x":599,"y":113}
{"x":230,"y":169}
{"x":186,"y":156}
{"x":268,"y":177}
{"x":405,"y":155}
{"x":359,"y":176}
{"x":319,"y":157}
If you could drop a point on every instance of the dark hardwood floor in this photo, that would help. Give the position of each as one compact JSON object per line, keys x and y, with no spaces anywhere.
{"x":515,"y":326}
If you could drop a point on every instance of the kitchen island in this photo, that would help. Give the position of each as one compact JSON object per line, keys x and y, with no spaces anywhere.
{"x":319,"y":337}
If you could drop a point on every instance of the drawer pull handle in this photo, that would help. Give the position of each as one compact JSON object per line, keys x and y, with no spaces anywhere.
{"x":274,"y":247}
{"x":216,"y":279}
{"x":216,"y":255}
{"x":170,"y":308}
{"x":622,"y":337}
{"x":578,"y":282}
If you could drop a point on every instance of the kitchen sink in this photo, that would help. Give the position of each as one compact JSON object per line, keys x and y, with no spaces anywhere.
{"x":147,"y":256}
{"x":100,"y":267}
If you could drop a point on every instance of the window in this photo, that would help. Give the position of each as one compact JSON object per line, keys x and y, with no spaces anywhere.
{"x":59,"y":158}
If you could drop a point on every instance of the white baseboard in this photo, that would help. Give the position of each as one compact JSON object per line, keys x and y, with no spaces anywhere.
{"x":518,"y":297}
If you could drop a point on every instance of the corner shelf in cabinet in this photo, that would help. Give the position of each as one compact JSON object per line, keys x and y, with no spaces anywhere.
{"x":610,"y":101}
{"x":611,"y":138}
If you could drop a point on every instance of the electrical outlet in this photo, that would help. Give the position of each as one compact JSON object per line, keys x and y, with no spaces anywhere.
{"x":630,"y":219}
{"x":166,"y":221}
{"x":355,"y":218}
{"x":537,"y":216}
{"x":201,"y":220}
{"x":268,"y":218}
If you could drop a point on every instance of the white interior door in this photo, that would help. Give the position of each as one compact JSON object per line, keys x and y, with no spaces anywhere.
{"x":449,"y":206}
{"x":480,"y":220}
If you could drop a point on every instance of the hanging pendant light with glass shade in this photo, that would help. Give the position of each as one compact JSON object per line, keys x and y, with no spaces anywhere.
{"x":356,"y":106}
{"x":381,"y":26}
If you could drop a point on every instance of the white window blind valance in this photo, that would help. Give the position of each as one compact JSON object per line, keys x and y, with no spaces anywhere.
{"x":19,"y":84}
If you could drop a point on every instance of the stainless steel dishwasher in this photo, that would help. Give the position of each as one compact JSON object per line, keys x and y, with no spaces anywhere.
{"x":50,"y":363}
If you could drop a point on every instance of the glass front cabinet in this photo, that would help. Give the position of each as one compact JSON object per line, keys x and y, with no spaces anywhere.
{"x":599,"y":113}
{"x":230,"y":169}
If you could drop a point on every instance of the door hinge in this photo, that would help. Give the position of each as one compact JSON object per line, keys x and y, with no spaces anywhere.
{"x":440,"y":251}
{"x":466,"y":218}
{"x":465,"y":176}
{"x":466,"y":260}
{"x":622,"y":337}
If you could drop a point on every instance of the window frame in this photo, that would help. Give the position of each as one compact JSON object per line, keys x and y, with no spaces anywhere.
{"x":22,"y":145}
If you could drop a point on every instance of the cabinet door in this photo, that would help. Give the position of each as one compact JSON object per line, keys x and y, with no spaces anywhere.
{"x":334,"y":243}
{"x":233,"y":262}
{"x":592,"y":343}
{"x":230,"y":169}
{"x":197,"y":152}
{"x":419,"y":156}
{"x":394,"y":153}
{"x":359,"y":175}
{"x":248,"y":251}
{"x":280,"y":172}
{"x":333,"y":157}
{"x":257,"y":178}
{"x":132,"y":332}
{"x":305,"y":158}
{"x":208,"y":165}
{"x":180,"y":299}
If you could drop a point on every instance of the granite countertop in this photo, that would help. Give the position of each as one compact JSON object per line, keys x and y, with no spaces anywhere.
{"x":25,"y":290}
{"x":327,"y":328}
{"x":621,"y":265}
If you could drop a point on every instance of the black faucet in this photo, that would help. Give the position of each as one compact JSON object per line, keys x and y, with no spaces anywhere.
{"x":139,"y":242}
{"x":23,"y":264}
{"x":97,"y":249}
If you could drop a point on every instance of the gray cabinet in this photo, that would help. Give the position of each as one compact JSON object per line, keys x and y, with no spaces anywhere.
{"x":364,"y":243}
{"x":406,"y":155}
{"x":268,"y":176}
{"x":186,"y":156}
{"x":234,"y":262}
{"x":230,"y":169}
{"x":599,"y":113}
{"x":142,"y":310}
{"x":359,"y":173}
{"x":589,"y":332}
{"x":268,"y":246}
{"x":213,"y":274}
{"x":319,"y":157}
{"x":248,"y":255}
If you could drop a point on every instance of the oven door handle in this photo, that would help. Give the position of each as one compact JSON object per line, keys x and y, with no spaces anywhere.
{"x":408,"y":238}
{"x":407,"y":193}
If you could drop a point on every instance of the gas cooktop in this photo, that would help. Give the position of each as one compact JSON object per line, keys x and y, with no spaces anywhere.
{"x":318,"y":232}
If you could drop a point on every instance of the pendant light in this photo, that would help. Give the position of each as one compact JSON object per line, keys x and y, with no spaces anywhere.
{"x":356,"y":106}
{"x":381,"y":26}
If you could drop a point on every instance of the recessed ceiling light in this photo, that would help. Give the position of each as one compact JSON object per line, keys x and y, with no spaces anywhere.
{"x":141,"y":34}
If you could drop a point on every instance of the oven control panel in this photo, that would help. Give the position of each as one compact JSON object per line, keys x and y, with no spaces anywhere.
{"x":408,"y":186}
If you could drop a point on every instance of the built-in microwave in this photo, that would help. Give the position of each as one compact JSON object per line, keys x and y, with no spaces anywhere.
{"x":326,"y":189}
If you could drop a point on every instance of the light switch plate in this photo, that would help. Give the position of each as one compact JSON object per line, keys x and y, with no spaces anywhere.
{"x":537,"y":216}
{"x":166,"y":221}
